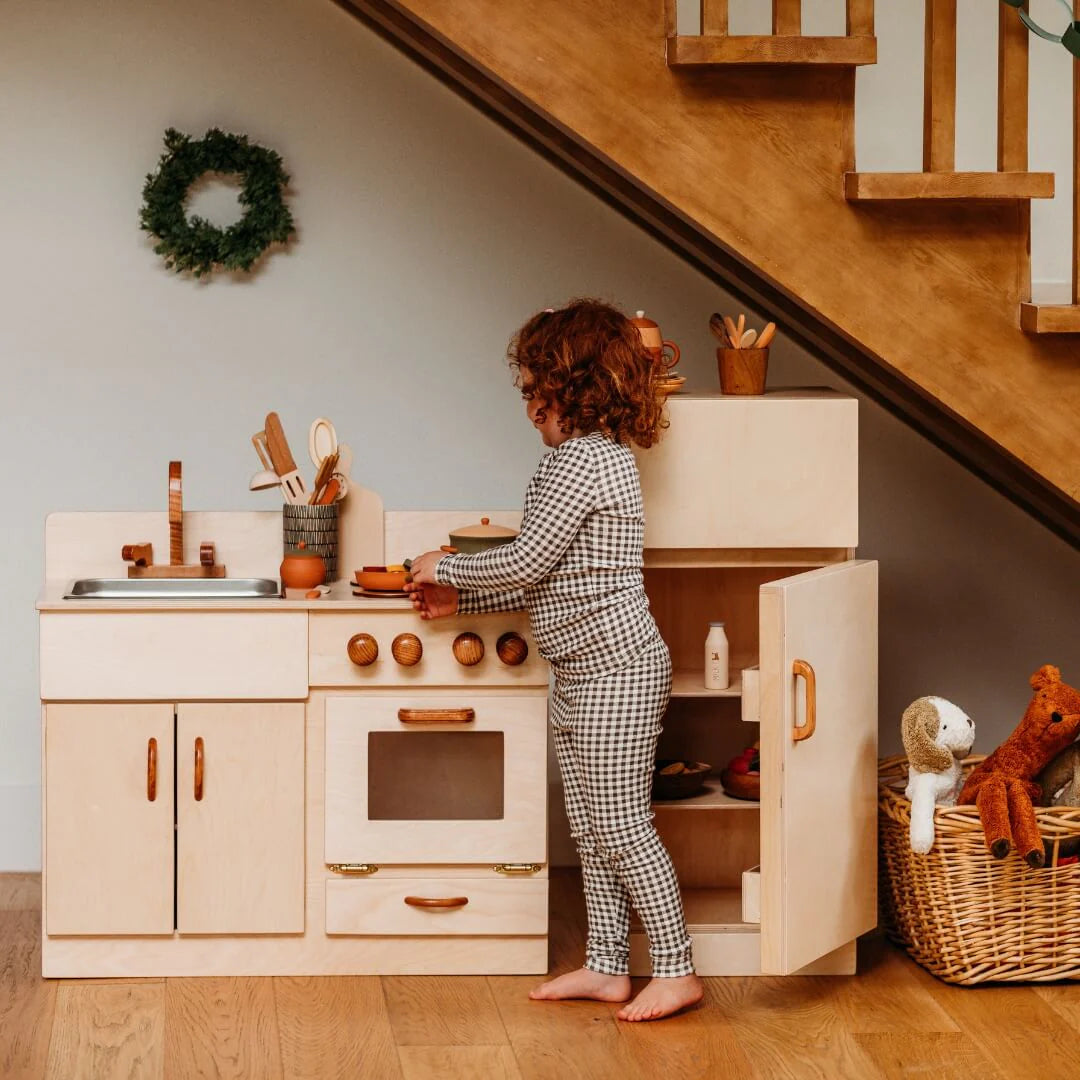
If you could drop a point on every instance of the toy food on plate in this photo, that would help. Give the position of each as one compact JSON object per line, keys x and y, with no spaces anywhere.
{"x":678,"y":779}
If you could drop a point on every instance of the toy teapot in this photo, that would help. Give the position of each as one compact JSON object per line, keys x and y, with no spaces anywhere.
{"x":302,"y":569}
{"x":654,"y":341}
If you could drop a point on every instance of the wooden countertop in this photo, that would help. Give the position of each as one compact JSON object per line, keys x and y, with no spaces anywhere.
{"x":340,"y":598}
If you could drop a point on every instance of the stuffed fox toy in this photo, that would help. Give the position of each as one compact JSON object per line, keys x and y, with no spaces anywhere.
{"x":1003,"y":786}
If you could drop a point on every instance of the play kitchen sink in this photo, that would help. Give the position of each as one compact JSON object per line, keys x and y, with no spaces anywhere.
{"x":173,"y":589}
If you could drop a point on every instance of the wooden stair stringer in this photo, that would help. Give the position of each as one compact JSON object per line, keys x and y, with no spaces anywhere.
{"x":915,"y":304}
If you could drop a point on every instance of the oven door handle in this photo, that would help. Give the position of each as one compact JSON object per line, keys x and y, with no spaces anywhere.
{"x":441,"y":902}
{"x":436,"y":716}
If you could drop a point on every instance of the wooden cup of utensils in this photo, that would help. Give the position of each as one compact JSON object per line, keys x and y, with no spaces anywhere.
{"x":743,"y":371}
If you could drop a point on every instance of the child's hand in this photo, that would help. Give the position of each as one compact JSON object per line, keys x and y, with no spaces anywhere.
{"x":423,"y":567}
{"x":433,"y":601}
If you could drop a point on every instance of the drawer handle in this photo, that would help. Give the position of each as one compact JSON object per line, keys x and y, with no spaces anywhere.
{"x":801,"y":667}
{"x":151,"y":770}
{"x":436,"y":716}
{"x":198,"y":769}
{"x":436,"y":901}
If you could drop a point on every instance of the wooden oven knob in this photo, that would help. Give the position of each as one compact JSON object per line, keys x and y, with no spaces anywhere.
{"x":512,"y":649}
{"x":363,"y":649}
{"x":407,"y":649}
{"x":468,"y":649}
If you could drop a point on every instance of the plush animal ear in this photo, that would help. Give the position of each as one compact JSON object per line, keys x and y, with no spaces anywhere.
{"x":919,"y":728}
{"x":1046,"y":676}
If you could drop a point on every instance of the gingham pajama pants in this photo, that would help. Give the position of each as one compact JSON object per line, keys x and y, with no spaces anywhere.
{"x":605,"y":730}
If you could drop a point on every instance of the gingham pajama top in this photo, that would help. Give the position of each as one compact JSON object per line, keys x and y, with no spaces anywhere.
{"x":576,"y":564}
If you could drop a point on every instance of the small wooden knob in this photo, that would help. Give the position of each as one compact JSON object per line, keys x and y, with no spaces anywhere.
{"x":512,"y":649}
{"x":207,"y":555}
{"x":407,"y":649}
{"x":468,"y":649}
{"x":139,"y":554}
{"x":363,"y":649}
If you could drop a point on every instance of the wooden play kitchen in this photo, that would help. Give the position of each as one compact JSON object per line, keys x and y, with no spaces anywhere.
{"x":330,"y":786}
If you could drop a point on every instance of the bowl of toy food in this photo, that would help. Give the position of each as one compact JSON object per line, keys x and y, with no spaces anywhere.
{"x":382,"y":578}
{"x":742,"y":777}
{"x":678,"y":779}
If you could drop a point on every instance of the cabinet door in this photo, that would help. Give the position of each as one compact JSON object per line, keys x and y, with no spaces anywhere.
{"x":240,"y":819}
{"x":109,"y":819}
{"x":818,"y":636}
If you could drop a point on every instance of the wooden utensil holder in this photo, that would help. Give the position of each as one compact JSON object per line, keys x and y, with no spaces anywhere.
{"x":742,"y":371}
{"x":317,"y":527}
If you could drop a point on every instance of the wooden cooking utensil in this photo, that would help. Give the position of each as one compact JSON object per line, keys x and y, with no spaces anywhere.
{"x":292,"y":483}
{"x":322,"y":478}
{"x":322,"y":440}
{"x":330,"y":492}
{"x":716,"y":325}
{"x":748,"y":339}
{"x":766,"y":335}
{"x":740,"y":326}
{"x":732,"y":333}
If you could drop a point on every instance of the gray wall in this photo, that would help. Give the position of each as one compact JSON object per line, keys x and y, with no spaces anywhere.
{"x":426,"y":236}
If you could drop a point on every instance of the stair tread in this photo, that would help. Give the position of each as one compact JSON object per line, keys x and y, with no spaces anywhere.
{"x":711,"y":50}
{"x":868,"y":186}
{"x":1050,"y":318}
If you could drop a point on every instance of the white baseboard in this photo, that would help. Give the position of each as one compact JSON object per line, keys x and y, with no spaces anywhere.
{"x":20,"y":828}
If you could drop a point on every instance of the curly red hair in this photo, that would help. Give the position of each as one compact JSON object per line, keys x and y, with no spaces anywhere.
{"x":589,"y":362}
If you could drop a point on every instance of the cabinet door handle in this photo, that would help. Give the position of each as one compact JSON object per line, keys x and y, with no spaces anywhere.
{"x":198,"y":769}
{"x":151,"y":770}
{"x":436,"y":716}
{"x":801,"y":667}
{"x":436,"y":902}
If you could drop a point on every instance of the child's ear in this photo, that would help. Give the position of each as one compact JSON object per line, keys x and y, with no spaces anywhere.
{"x":1046,"y":676}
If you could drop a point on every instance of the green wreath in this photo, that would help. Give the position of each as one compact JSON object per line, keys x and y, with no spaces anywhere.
{"x":193,"y":244}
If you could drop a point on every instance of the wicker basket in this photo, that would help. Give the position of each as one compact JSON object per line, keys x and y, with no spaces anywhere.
{"x":966,"y":916}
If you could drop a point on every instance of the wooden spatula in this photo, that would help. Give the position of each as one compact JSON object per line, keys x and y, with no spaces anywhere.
{"x":292,"y":483}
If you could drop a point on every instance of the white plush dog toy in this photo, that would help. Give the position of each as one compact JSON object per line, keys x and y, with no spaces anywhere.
{"x":936,"y":735}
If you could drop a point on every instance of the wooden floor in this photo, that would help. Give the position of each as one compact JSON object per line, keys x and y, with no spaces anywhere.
{"x":892,"y":1021}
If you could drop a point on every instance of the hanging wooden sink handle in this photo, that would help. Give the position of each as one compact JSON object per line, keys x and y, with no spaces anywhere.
{"x":436,"y":902}
{"x":151,"y":770}
{"x":801,"y":667}
{"x":198,"y":769}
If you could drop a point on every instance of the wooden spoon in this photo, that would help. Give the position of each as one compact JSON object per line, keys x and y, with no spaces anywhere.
{"x":729,"y":325}
{"x":740,"y":326}
{"x":747,"y":339}
{"x":766,"y":335}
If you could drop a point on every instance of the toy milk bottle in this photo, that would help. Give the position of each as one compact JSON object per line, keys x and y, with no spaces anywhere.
{"x":716,"y":658}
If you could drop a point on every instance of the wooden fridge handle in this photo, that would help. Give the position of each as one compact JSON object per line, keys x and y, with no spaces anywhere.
{"x":151,"y":769}
{"x":436,"y":902}
{"x":199,"y":769}
{"x":801,"y":667}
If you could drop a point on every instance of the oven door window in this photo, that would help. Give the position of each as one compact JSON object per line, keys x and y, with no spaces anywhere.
{"x":435,"y":776}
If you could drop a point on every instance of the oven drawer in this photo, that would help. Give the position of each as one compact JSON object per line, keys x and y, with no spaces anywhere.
{"x":436,"y":779}
{"x":483,"y":904}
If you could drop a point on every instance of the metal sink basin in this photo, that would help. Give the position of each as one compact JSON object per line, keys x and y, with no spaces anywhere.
{"x":174,"y":589}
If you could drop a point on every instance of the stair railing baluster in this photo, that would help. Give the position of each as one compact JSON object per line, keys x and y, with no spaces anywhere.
{"x":714,"y":16}
{"x":787,"y":17}
{"x":939,"y":87}
{"x":860,"y":18}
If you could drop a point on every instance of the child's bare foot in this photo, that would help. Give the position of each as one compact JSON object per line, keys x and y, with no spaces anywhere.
{"x":662,"y":997}
{"x":584,"y":983}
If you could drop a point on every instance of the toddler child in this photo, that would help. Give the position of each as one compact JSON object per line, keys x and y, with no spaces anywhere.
{"x":589,"y":389}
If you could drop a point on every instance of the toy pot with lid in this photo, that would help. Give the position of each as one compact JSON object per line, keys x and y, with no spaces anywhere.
{"x":302,"y":569}
{"x":654,"y":341}
{"x":470,"y":539}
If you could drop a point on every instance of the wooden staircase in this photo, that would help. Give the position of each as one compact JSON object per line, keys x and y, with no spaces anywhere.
{"x":738,"y":153}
